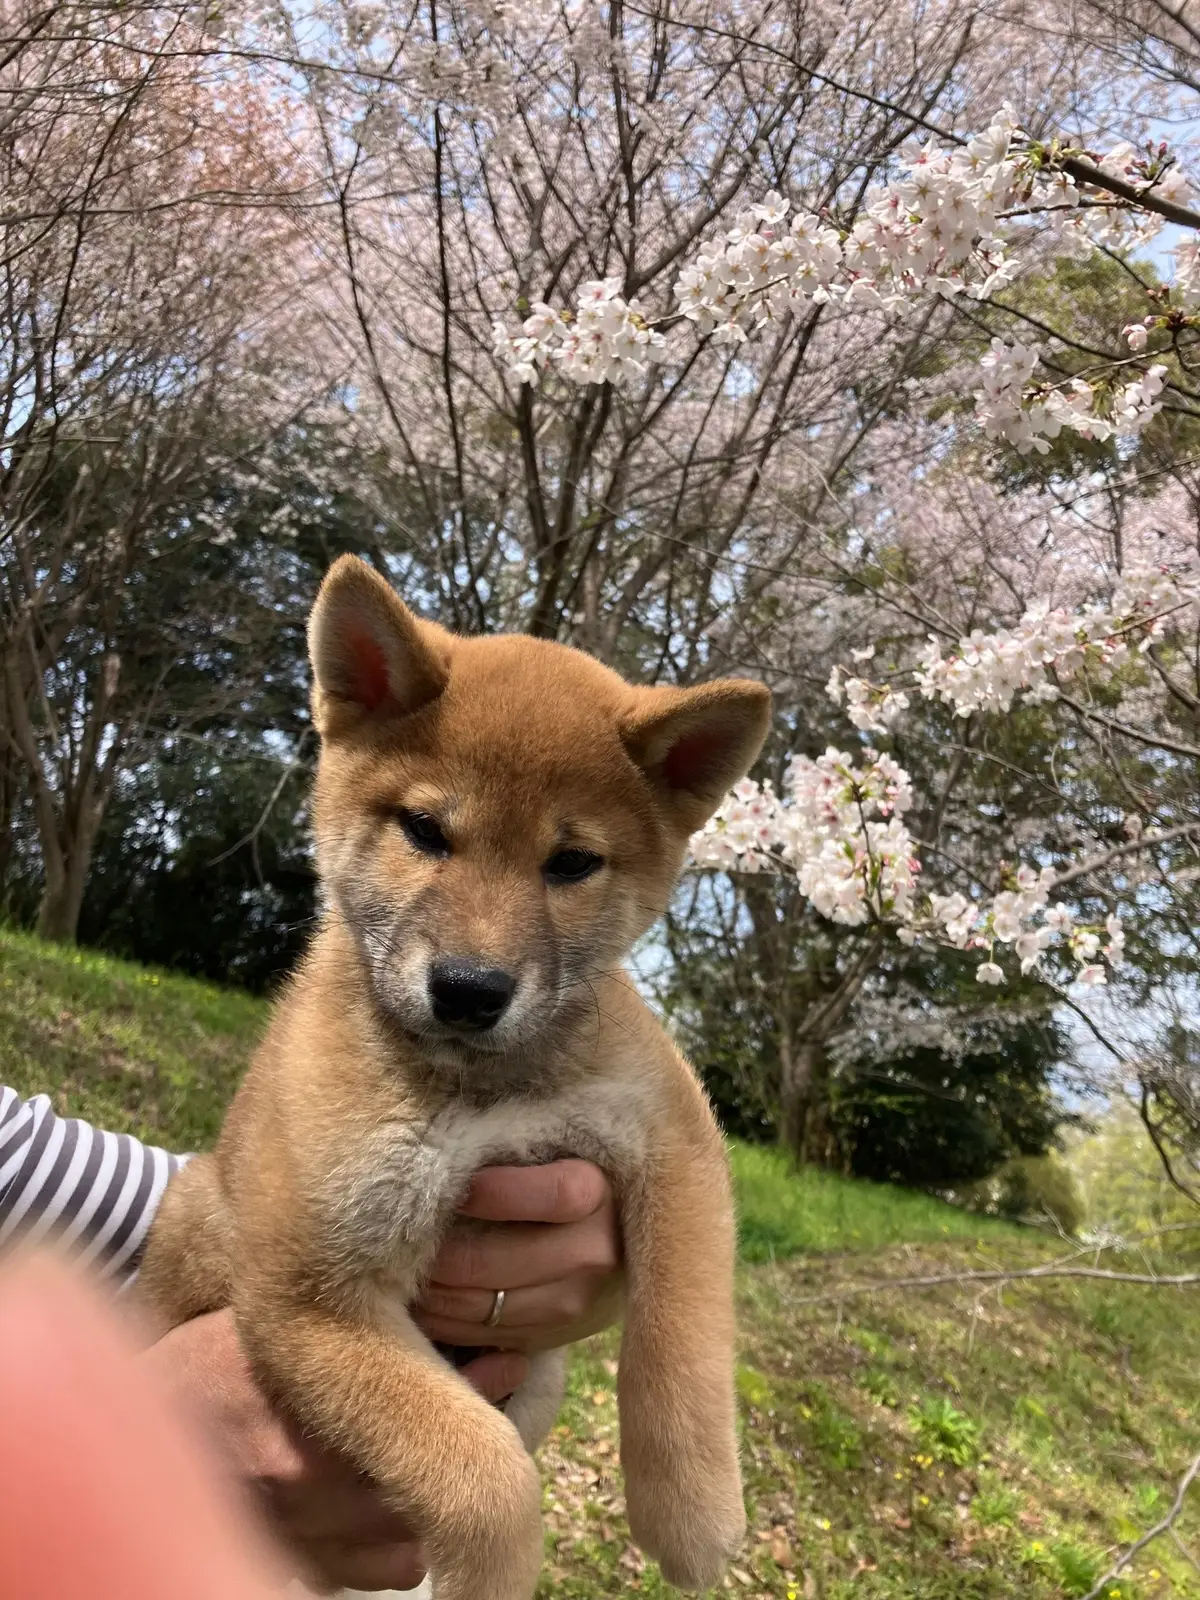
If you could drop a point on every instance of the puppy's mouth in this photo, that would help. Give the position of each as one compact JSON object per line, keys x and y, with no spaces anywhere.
{"x":457,"y":1041}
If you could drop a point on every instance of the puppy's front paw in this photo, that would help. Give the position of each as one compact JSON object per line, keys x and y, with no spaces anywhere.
{"x":489,"y":1544}
{"x":692,"y":1530}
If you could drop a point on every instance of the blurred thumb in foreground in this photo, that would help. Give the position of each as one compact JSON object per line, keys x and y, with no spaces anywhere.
{"x":103,"y":1493}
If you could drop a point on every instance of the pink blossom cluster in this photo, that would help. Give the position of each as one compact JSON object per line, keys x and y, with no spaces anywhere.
{"x":990,"y":670}
{"x":763,"y":267}
{"x":836,"y":826}
{"x":933,"y":228}
{"x":1021,"y":916}
{"x":871,"y":707}
{"x":1028,"y":415}
{"x":606,"y":339}
{"x":1153,"y":172}
{"x":478,"y":77}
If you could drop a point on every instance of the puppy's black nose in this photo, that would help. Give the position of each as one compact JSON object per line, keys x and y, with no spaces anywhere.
{"x":466,"y":994}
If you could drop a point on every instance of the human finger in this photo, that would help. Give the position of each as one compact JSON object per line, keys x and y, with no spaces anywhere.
{"x":362,"y":1566}
{"x":517,"y":1255}
{"x":545,"y":1305}
{"x":331,"y":1501}
{"x":92,"y":1444}
{"x":558,"y":1192}
{"x":496,"y":1374}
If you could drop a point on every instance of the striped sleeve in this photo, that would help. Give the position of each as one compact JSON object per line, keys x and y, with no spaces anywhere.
{"x":94,"y":1192}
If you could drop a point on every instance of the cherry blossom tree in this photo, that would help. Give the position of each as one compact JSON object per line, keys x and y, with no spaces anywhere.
{"x":150,"y":338}
{"x":519,"y":198}
{"x":710,"y":338}
{"x":1033,"y":656}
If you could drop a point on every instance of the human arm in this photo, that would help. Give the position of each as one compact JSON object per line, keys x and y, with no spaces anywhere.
{"x":94,"y":1192}
{"x":553,"y":1246}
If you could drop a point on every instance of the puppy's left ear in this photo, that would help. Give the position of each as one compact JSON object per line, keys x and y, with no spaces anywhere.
{"x":694,"y":744}
{"x":373,"y":661}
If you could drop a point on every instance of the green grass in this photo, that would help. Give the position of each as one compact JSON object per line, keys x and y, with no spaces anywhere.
{"x":960,"y":1443}
{"x":122,"y":1045}
{"x":950,"y":1444}
{"x":784,"y":1212}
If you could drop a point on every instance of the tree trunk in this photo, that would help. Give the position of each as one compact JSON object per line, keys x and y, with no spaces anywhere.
{"x":62,"y":896}
{"x":66,"y":868}
{"x":8,"y":798}
{"x":804,"y":1126}
{"x":67,"y":813}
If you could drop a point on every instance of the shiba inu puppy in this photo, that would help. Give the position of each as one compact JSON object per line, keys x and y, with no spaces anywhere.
{"x":496,"y":821}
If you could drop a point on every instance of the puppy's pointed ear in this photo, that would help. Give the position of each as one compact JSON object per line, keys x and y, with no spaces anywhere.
{"x":371,"y":658}
{"x":694,"y":744}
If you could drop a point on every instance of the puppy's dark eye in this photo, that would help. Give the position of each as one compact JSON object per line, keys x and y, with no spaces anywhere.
{"x":571,"y":866}
{"x":423,"y":833}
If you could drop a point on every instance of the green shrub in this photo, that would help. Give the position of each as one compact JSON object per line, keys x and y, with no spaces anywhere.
{"x":943,"y":1432}
{"x":995,"y":1506}
{"x":1037,"y":1189}
{"x":881,"y":1386}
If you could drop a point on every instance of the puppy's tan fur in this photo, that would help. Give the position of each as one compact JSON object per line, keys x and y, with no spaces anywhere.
{"x":361,"y":1121}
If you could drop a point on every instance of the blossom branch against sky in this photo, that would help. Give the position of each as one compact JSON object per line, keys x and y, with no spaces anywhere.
{"x":945,"y":226}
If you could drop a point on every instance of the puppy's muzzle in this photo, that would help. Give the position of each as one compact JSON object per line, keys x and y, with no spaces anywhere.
{"x":467,"y":995}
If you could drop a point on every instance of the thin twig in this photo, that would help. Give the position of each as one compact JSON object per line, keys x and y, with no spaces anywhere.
{"x":1183,"y":831}
{"x":1165,"y":1526}
{"x":1178,"y":1280}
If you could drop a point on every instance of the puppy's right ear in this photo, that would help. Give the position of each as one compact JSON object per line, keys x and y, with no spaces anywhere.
{"x":371,"y":658}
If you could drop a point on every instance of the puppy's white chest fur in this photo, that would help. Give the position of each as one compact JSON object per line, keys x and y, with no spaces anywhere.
{"x":397,"y":1197}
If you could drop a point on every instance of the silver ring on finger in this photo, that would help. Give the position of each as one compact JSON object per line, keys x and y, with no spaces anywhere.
{"x":493,"y":1316}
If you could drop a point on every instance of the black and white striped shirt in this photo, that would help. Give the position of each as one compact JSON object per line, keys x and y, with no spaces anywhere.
{"x":96,"y":1193}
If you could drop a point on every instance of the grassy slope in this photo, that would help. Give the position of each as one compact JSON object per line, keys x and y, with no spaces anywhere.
{"x":784,"y":1213}
{"x":1073,"y":1407}
{"x":122,"y":1045}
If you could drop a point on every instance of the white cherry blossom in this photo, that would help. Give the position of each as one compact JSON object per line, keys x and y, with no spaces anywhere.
{"x":838,"y":828}
{"x":943,"y":226}
{"x":989,"y":671}
{"x":605,"y":340}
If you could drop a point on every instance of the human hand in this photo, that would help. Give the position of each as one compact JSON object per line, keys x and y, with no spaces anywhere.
{"x":324,"y":1512}
{"x":552,"y":1243}
{"x":102,"y":1492}
{"x":547,"y":1236}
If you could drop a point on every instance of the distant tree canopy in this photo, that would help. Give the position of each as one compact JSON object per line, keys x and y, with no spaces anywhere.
{"x":203,"y":865}
{"x":922,"y":1083}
